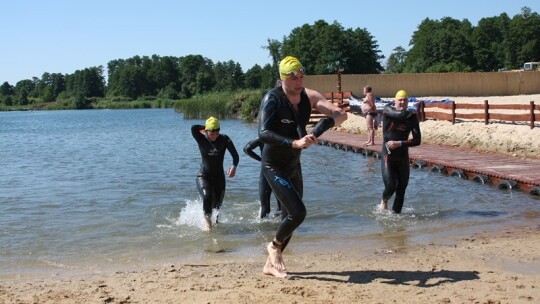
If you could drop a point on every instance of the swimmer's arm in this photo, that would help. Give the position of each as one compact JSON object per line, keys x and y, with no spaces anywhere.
{"x":319,"y":102}
{"x":196,"y":132}
{"x":234,"y":153}
{"x":266,"y":135}
{"x":416,"y":135}
{"x":248,"y":149}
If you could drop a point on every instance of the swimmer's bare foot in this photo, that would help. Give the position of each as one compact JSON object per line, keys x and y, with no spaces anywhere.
{"x":207,"y":223}
{"x":275,"y":258}
{"x":270,"y":270}
{"x":384,"y":205}
{"x":368,"y":144}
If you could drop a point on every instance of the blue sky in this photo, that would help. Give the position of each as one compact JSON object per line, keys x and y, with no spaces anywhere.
{"x":62,"y":36}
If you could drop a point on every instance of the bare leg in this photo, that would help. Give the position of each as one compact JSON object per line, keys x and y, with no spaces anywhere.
{"x":207,"y":223}
{"x":384,"y":205}
{"x":270,"y":270}
{"x":371,"y":132}
{"x":275,"y":257}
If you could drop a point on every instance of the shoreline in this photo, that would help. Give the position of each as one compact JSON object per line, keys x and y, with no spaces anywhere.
{"x":487,"y":267}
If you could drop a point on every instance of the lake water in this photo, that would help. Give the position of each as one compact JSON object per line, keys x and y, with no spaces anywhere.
{"x":98,"y":190}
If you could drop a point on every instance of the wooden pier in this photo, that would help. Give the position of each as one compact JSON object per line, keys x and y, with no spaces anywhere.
{"x":505,"y":172}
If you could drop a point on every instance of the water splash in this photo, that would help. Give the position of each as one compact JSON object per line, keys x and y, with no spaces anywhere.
{"x":192,"y":215}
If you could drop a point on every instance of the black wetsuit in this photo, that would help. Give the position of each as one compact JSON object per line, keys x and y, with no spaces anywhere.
{"x":279,"y":126}
{"x":264,"y":188}
{"x":397,"y":125}
{"x":211,"y":176}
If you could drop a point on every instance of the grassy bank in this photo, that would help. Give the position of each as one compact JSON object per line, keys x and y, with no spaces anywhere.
{"x":239,"y":105}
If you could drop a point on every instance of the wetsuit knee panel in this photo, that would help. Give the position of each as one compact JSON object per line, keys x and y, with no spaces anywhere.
{"x":298,"y":214}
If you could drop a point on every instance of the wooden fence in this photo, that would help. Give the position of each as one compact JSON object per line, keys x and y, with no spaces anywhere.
{"x":452,"y":111}
{"x":485,"y":112}
{"x":431,"y":84}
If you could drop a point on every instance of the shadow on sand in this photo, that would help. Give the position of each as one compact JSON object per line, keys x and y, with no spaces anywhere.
{"x":416,"y":278}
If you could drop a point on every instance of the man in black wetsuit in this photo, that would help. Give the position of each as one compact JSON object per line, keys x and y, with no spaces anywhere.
{"x":211,"y":177}
{"x":398,"y":123}
{"x":264,"y":188}
{"x":284,"y":113}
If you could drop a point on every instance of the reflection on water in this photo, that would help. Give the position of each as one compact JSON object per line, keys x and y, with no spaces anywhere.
{"x":94,"y":190}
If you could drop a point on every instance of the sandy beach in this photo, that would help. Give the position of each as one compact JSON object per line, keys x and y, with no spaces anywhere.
{"x":502,"y":267}
{"x":487,"y":267}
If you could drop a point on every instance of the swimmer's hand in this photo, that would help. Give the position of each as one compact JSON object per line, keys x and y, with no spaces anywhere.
{"x":304,"y":142}
{"x":232,"y":171}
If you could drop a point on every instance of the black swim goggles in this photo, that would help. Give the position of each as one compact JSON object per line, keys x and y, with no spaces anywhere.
{"x":213,"y":130}
{"x":296,"y":73}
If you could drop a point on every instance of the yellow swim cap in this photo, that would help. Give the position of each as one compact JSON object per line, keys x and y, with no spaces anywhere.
{"x":401,"y":94}
{"x":211,"y":124}
{"x":288,"y":66}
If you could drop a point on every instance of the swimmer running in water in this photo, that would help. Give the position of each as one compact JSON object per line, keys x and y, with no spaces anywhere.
{"x":398,"y":123}
{"x":264,"y":188}
{"x":211,"y":177}
{"x":283,"y":116}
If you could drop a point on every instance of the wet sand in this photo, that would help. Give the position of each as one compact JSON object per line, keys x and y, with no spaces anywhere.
{"x":500,"y":267}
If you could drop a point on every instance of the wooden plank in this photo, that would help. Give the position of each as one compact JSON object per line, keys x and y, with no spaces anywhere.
{"x":499,"y":167}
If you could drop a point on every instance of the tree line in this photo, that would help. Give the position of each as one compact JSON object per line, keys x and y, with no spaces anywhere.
{"x":449,"y":45}
{"x":446,"y":45}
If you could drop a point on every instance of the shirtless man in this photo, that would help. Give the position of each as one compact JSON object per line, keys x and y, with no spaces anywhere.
{"x":370,"y":115}
{"x":283,"y":116}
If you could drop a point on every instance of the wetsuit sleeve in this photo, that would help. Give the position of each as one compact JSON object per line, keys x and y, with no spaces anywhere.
{"x":248,"y":149}
{"x":196,"y":132}
{"x":234,"y":153}
{"x":322,"y":126}
{"x":415,"y":130}
{"x":396,"y":114}
{"x":266,"y":114}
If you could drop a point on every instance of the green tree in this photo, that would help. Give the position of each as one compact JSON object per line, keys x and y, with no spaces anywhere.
{"x":437,"y":43}
{"x":22,"y":91}
{"x":6,"y":93}
{"x":229,"y":76}
{"x":86,"y":83}
{"x":58,"y":84}
{"x":396,"y":60}
{"x":196,"y":75}
{"x":253,"y":77}
{"x":164,"y":73}
{"x":6,"y":89}
{"x":129,"y":78}
{"x":524,"y":37}
{"x":324,"y":47}
{"x":274,"y":48}
{"x":270,"y":76}
{"x":488,"y":39}
{"x":50,"y":85}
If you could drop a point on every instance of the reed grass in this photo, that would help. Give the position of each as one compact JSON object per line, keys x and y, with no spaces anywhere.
{"x":224,"y":105}
{"x":137,"y":104}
